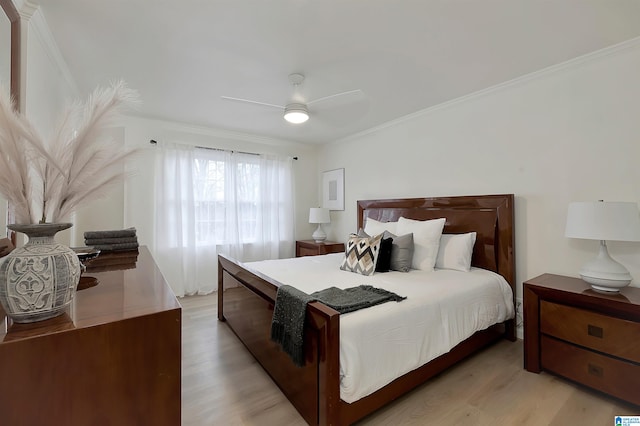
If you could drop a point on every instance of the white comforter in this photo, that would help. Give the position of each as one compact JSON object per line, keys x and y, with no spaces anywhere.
{"x":381,"y":343}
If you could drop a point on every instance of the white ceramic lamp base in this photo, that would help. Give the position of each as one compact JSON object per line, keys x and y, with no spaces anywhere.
{"x":319,"y":235}
{"x":604,"y":273}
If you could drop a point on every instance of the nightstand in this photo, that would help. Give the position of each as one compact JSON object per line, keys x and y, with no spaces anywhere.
{"x":311,"y":248}
{"x":589,"y":337}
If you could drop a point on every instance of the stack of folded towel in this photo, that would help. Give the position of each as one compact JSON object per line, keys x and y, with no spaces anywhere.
{"x":116,"y":240}
{"x":118,"y":249}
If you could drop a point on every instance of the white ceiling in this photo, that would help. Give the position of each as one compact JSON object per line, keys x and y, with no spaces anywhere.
{"x":405,"y":55}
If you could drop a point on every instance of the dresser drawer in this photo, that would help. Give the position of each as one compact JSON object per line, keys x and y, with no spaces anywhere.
{"x":614,"y":336}
{"x":610,"y":375}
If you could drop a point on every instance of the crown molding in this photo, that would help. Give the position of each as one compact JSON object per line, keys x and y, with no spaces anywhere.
{"x":518,"y":81}
{"x":25,"y":8}
{"x":178,"y":127}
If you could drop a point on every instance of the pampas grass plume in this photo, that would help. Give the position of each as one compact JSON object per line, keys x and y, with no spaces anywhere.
{"x":47,"y":182}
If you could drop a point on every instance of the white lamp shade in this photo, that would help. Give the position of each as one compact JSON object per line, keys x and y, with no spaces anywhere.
{"x":319,"y":215}
{"x":599,"y":220}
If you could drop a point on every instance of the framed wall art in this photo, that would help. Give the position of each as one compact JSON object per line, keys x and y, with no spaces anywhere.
{"x":333,"y":189}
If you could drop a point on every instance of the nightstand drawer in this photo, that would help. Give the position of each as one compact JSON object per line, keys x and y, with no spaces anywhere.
{"x":311,"y":248}
{"x":307,"y":251}
{"x":610,"y":375}
{"x":603,"y":333}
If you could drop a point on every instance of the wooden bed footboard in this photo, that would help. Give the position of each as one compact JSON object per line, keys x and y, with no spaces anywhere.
{"x":246,"y":299}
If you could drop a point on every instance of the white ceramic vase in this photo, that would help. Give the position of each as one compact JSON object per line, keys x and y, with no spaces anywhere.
{"x":38,"y":281}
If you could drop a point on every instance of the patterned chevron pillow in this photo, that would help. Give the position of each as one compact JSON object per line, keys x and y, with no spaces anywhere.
{"x":361,"y":254}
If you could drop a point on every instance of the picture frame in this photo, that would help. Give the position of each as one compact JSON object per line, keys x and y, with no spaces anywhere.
{"x":333,"y":189}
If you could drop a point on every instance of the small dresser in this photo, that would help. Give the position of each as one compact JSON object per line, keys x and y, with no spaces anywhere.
{"x":583,"y":335}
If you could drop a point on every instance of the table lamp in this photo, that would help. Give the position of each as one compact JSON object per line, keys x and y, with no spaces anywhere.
{"x":600,"y":220}
{"x":319,"y":215}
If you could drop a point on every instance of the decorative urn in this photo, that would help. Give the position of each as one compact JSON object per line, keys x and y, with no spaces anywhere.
{"x":38,"y":280}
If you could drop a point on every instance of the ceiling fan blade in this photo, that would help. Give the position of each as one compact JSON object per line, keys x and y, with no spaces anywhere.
{"x":251,"y":102}
{"x":350,"y":92}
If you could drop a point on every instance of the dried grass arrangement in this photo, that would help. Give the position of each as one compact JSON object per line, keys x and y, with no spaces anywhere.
{"x":46,"y":181}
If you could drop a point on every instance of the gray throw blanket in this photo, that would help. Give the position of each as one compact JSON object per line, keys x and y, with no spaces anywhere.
{"x":289,"y":313}
{"x":287,"y":324}
{"x":354,"y":298}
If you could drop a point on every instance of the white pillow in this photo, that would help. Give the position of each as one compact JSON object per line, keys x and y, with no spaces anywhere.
{"x":374,"y":227}
{"x":455,"y":251}
{"x":426,"y":240}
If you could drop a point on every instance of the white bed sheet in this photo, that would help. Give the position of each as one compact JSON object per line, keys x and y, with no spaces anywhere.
{"x":381,"y":343}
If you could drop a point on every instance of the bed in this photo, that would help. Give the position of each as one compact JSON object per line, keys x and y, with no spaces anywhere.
{"x":246,"y":298}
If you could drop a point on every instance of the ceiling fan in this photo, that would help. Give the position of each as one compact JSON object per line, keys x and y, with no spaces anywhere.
{"x":297,"y":110}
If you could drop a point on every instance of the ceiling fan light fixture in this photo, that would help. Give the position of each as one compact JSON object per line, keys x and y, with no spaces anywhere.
{"x":296,"y":113}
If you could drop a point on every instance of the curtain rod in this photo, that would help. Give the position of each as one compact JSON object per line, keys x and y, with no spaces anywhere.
{"x":154,"y":142}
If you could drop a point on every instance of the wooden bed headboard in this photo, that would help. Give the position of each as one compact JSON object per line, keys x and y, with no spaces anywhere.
{"x":490,"y":216}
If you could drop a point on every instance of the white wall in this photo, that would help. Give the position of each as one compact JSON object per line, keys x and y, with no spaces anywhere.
{"x":139,"y":189}
{"x":5,"y":53}
{"x":48,"y":88}
{"x":104,"y":213}
{"x":565,"y":134}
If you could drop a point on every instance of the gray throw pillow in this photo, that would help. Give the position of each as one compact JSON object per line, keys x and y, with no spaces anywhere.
{"x":401,"y":251}
{"x":362,"y":234}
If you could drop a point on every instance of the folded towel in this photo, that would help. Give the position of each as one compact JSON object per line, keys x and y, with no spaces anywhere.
{"x":121,"y":240}
{"x":118,"y":233}
{"x":115,"y":247}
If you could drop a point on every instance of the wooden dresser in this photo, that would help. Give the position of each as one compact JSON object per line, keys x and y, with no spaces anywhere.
{"x":113,"y":359}
{"x":311,"y":248}
{"x":583,"y":335}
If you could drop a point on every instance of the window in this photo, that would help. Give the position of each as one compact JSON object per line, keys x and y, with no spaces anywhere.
{"x":210,"y":198}
{"x":210,"y":201}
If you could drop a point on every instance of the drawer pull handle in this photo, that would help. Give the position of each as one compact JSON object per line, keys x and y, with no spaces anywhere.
{"x":595,"y":370}
{"x":594,"y":331}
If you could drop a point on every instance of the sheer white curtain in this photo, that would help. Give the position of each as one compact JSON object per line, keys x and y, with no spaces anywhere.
{"x":210,"y":201}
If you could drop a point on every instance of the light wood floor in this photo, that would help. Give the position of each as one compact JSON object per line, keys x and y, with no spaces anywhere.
{"x":222,"y":384}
